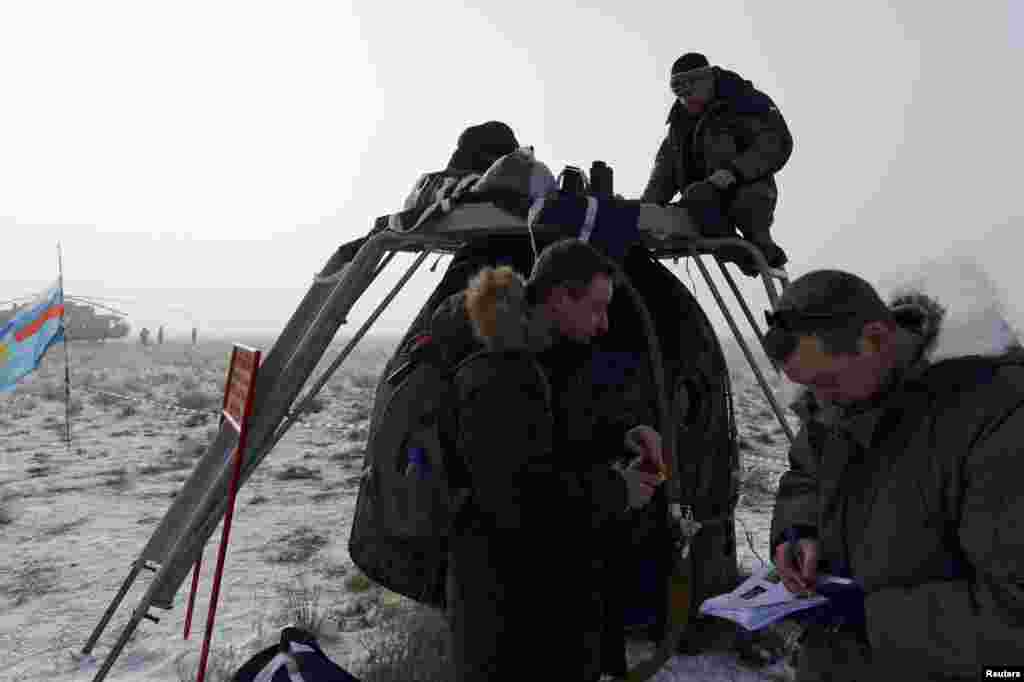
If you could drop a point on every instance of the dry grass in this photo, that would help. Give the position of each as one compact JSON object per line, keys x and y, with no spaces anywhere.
{"x":358,"y":434}
{"x":413,"y":646}
{"x":27,"y":581}
{"x":197,"y":419}
{"x":6,"y":511}
{"x":66,"y":527}
{"x":333,"y":571}
{"x":106,"y":400}
{"x":357,"y":582}
{"x":303,"y":607}
{"x":297,"y":547}
{"x":316,"y":404}
{"x":297,"y":472}
{"x":122,"y":425}
{"x":28,"y":405}
{"x":363,"y":380}
{"x":128,"y":410}
{"x":349,"y":454}
{"x":118,"y":479}
{"x":196,"y":400}
{"x":221,"y":664}
{"x":758,"y":482}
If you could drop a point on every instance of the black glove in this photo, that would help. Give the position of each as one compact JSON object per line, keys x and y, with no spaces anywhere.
{"x":723,"y":178}
{"x":845,"y":606}
{"x":701,"y":191}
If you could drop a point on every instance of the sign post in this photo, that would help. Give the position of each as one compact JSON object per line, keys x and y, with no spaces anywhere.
{"x":237,"y":409}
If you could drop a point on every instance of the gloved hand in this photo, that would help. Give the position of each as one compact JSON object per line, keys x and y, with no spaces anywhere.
{"x":722,"y":178}
{"x":640,"y":487}
{"x":845,"y":606}
{"x":701,"y":191}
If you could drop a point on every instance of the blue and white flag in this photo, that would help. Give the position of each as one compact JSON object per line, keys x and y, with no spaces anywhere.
{"x":26,"y":337}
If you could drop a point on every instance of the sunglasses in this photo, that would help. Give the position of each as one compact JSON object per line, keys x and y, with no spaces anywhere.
{"x":682,"y":83}
{"x":792,"y":320}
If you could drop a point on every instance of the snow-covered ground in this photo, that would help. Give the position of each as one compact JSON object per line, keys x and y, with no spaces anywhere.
{"x":73,"y":520}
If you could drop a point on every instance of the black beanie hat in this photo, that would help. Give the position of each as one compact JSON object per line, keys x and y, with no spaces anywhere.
{"x":690,"y":61}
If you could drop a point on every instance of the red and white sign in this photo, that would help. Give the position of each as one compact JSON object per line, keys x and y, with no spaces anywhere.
{"x":239,"y":391}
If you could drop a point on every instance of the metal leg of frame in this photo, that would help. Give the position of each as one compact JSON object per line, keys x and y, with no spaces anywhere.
{"x":352,"y":343}
{"x":384,"y":264}
{"x":125,"y":586}
{"x":769,"y":287}
{"x":746,"y":350}
{"x":126,"y":635}
{"x":746,"y":309}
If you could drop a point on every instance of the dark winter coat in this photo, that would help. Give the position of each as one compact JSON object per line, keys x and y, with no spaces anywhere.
{"x":919,"y":497}
{"x":740,"y":130}
{"x":524,"y":588}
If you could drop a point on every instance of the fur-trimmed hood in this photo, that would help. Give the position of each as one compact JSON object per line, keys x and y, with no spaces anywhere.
{"x":491,"y":312}
{"x":501,"y":317}
{"x":981,"y":332}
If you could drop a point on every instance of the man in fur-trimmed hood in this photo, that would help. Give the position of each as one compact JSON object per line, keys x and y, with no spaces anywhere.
{"x":525,"y":573}
{"x":904,"y":478}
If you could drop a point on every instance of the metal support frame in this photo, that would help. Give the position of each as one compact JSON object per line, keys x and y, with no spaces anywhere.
{"x":194,"y":514}
{"x":125,"y":586}
{"x":350,"y":346}
{"x":200,"y":526}
{"x":765,"y":273}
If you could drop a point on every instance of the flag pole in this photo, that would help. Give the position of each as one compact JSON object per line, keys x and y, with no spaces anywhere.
{"x":67,"y":372}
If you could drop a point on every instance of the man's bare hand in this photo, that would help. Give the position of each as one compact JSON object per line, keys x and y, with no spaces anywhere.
{"x":639,"y":486}
{"x":798,"y":566}
{"x":646,"y":442}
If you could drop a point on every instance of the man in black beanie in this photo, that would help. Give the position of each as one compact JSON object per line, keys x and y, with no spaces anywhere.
{"x":726,"y":140}
{"x":481,"y":145}
{"x":478,"y":147}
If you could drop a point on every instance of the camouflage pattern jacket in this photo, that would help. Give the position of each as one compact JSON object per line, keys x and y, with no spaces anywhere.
{"x":741,"y":130}
{"x":918,"y":496}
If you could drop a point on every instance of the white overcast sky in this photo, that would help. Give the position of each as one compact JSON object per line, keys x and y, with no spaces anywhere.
{"x":201,"y":160}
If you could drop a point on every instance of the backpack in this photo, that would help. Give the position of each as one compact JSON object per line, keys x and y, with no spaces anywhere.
{"x":411,"y":486}
{"x":299,"y":651}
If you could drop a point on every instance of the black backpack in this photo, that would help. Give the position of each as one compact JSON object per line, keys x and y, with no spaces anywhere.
{"x":407,"y":499}
{"x":411,"y":486}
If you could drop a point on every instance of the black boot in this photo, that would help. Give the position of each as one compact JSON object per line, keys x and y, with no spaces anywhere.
{"x":754,"y":221}
{"x":773,"y":253}
{"x":746,"y":261}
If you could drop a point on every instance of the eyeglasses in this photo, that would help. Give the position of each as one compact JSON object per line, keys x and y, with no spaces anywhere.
{"x":791,"y":320}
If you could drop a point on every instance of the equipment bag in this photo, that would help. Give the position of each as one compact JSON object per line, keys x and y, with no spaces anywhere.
{"x":298,"y":658}
{"x":406,"y":501}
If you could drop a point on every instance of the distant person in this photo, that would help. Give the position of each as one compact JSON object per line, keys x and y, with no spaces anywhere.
{"x":524,"y":594}
{"x":144,"y":336}
{"x":904,"y":478}
{"x":725,"y":142}
{"x":160,"y":336}
{"x":194,"y":335}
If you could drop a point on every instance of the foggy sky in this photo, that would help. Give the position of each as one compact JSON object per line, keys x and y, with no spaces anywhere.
{"x":200,"y":161}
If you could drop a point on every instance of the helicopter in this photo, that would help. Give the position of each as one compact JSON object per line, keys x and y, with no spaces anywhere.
{"x":82,"y":322}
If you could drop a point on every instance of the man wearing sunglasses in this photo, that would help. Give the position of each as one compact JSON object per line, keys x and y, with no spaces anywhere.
{"x":726,"y":140}
{"x":905,"y":479}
